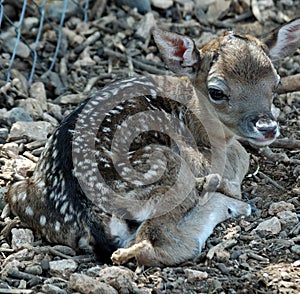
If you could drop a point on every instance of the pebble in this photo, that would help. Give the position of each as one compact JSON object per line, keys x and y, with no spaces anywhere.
{"x":145,"y":25}
{"x":10,"y":149}
{"x":3,"y":133}
{"x":65,"y":250}
{"x":21,"y":238}
{"x":23,"y":166}
{"x":280,"y":206}
{"x":195,"y":275}
{"x":141,"y":5}
{"x":16,"y":114}
{"x":52,"y":289}
{"x":32,"y":107}
{"x":38,"y":92}
{"x":288,"y":218}
{"x":296,"y":249}
{"x":55,"y":111}
{"x":22,"y":51}
{"x":47,"y":117}
{"x":88,"y":285}
{"x":162,"y":4}
{"x":71,"y":99}
{"x":34,"y":269}
{"x":31,"y":131}
{"x":62,"y":268}
{"x":271,"y":226}
{"x":119,"y":277}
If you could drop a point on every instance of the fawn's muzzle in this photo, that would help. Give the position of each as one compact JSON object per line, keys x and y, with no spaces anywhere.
{"x":262,"y":128}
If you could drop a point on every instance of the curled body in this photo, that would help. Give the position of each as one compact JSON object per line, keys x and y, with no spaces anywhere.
{"x":152,"y":164}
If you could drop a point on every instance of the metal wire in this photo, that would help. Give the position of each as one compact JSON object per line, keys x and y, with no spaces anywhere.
{"x":25,"y":8}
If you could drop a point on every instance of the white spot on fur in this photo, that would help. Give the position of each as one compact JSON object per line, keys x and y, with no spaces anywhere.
{"x":57,"y":226}
{"x":22,"y":196}
{"x":43,"y":220}
{"x":29,"y":210}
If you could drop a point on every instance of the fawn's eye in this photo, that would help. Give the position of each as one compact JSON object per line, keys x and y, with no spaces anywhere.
{"x":217,"y":95}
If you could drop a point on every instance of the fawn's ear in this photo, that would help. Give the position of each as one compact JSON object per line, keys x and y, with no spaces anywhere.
{"x":179,"y":52}
{"x":284,"y":40}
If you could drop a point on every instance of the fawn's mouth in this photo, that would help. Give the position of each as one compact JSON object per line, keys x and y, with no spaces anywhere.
{"x":267,"y":140}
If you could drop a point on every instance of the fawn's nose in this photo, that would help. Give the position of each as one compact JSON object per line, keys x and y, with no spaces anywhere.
{"x":267,"y":127}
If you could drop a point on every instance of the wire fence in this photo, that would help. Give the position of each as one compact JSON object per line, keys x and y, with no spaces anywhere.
{"x":14,"y":40}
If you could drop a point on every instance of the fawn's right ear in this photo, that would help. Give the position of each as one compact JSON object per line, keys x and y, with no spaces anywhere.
{"x":284,"y":40}
{"x":179,"y":52}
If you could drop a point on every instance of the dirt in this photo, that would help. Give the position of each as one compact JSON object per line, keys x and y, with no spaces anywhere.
{"x":237,"y":257}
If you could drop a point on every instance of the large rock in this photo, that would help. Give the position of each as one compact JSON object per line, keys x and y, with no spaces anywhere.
{"x":32,"y":106}
{"x":21,"y":238}
{"x":32,"y":131}
{"x":62,"y":268}
{"x":38,"y":92}
{"x":280,"y":206}
{"x":88,"y":285}
{"x":271,"y":226}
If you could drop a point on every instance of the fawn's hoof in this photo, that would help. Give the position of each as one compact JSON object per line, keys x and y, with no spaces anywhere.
{"x":122,"y":255}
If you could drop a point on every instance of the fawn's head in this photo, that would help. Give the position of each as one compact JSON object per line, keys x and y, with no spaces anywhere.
{"x":236,"y":74}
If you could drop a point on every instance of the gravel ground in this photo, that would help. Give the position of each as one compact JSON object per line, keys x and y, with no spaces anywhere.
{"x":257,"y":254}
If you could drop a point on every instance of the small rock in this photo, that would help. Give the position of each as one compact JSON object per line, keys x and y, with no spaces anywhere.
{"x":47,"y":117}
{"x":55,"y":110}
{"x":22,"y":51}
{"x":119,"y":277}
{"x":34,"y":269}
{"x":271,"y":226}
{"x":296,"y":249}
{"x":65,"y":250}
{"x":11,"y":149}
{"x":32,"y":131}
{"x":21,"y":238}
{"x":94,"y":271}
{"x":23,"y":166}
{"x":52,"y":289}
{"x":146,"y":24}
{"x":88,"y":285}
{"x":31,"y":106}
{"x":30,"y":22}
{"x":16,"y":114}
{"x":71,"y":99}
{"x":162,"y":4}
{"x":280,"y":206}
{"x":3,"y":133}
{"x":73,"y":38}
{"x":141,"y":5}
{"x":38,"y":92}
{"x":19,"y":81}
{"x":194,"y":275}
{"x":288,"y":218}
{"x":84,"y":59}
{"x":62,"y":268}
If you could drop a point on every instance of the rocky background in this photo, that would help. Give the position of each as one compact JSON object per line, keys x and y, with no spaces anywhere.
{"x":257,"y":254}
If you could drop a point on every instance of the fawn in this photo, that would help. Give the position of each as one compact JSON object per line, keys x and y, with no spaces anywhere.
{"x":148,"y":166}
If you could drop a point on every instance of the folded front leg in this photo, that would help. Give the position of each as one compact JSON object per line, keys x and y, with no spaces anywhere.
{"x":216,"y":183}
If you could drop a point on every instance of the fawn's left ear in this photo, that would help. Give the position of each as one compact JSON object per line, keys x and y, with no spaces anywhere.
{"x":284,"y":40}
{"x":179,"y":52}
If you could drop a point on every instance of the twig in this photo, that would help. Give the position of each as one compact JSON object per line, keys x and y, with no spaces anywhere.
{"x":57,"y":253}
{"x":286,"y":144}
{"x":289,"y":84}
{"x":16,"y":291}
{"x":98,"y":9}
{"x":138,"y":64}
{"x":271,"y":181}
{"x":21,"y":275}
